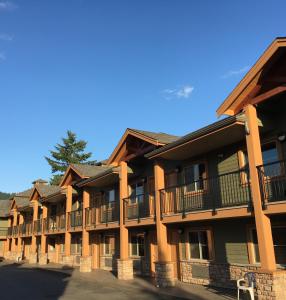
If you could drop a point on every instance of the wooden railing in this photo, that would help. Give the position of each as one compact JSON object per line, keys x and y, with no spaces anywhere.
{"x":75,"y":220}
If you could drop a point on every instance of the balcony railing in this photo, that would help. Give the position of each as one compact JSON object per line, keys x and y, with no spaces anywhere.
{"x":90,"y":217}
{"x":26,"y":229}
{"x":75,"y":219}
{"x":272,"y":179}
{"x":109,"y":212}
{"x":10,"y":231}
{"x":226,"y":190}
{"x":3,"y":231}
{"x":37,"y":227}
{"x":139,"y":206}
{"x":56,"y":223}
{"x":15,"y":231}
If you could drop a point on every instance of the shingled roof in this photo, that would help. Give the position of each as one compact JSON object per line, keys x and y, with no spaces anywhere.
{"x":86,"y":170}
{"x":46,"y":190}
{"x":160,"y":137}
{"x":5,"y":207}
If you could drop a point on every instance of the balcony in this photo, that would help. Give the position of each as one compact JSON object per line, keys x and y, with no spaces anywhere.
{"x":37,"y":227}
{"x":55,"y":224}
{"x":15,"y":231}
{"x":75,"y":220}
{"x":272,"y":180}
{"x":109,"y":212}
{"x":90,"y":217}
{"x":223,"y":191}
{"x":25,"y":229}
{"x":139,"y":207}
{"x":9,"y":232}
{"x":3,"y":232}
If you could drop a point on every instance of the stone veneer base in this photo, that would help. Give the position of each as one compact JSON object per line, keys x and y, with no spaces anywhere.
{"x":164,"y":274}
{"x":269,"y":285}
{"x":33,"y":259}
{"x":85,"y":264}
{"x":43,"y":259}
{"x":125,"y":269}
{"x":68,"y":260}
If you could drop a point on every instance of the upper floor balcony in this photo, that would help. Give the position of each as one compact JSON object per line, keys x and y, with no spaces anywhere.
{"x":137,"y":207}
{"x":3,"y":232}
{"x":224,"y":191}
{"x":9,"y":232}
{"x":15,"y":231}
{"x":272,"y":179}
{"x":104,"y":214}
{"x":75,"y":220}
{"x":55,"y":223}
{"x":26,"y":229}
{"x":37,"y":227}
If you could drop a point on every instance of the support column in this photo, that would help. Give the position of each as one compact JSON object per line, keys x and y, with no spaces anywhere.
{"x":164,"y":267}
{"x":43,"y":259}
{"x":67,"y":258}
{"x":20,"y":246}
{"x":263,"y":223}
{"x":85,"y":260}
{"x":15,"y":223}
{"x":124,"y":264}
{"x":33,"y":259}
{"x":7,"y":253}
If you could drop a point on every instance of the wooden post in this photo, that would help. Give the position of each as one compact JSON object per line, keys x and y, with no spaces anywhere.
{"x":263,"y":223}
{"x":35,"y":218}
{"x":163,"y":247}
{"x":20,"y":239}
{"x":15,"y":222}
{"x":68,"y":209}
{"x":85,"y":233}
{"x":123,"y":191}
{"x":43,"y":236}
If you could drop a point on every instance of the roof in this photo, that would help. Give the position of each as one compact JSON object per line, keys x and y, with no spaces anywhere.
{"x":46,"y":190}
{"x":161,"y":137}
{"x":5,"y":207}
{"x":86,"y":170}
{"x":198,"y":133}
{"x":40,"y":180}
{"x":250,"y":82}
{"x":26,"y":193}
{"x":22,"y":201}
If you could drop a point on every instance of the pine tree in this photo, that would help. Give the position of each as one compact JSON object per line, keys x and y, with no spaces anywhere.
{"x":70,"y":152}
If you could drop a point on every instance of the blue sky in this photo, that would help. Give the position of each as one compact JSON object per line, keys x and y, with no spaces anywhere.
{"x":98,"y":67}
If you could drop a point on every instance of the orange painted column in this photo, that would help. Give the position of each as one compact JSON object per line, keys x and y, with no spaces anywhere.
{"x":85,"y":233}
{"x":162,"y":241}
{"x":35,"y":218}
{"x":123,"y":193}
{"x":68,"y":209}
{"x":263,"y":223}
{"x":20,"y":239}
{"x":43,"y":236}
{"x":8,"y":239}
{"x":15,"y":222}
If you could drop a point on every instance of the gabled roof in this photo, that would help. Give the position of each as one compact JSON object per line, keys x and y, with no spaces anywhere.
{"x":5,"y":207}
{"x":198,"y":134}
{"x":83,"y":170}
{"x":22,"y":202}
{"x":154,"y":138}
{"x":46,"y":190}
{"x":249,"y":86}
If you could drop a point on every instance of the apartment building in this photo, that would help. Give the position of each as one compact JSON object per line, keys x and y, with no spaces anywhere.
{"x":204,"y":208}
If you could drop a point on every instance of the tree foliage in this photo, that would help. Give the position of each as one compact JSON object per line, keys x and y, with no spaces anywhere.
{"x":71,"y":151}
{"x":4,"y":196}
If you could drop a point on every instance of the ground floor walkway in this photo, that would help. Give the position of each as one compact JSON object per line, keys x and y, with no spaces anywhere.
{"x":25,"y":281}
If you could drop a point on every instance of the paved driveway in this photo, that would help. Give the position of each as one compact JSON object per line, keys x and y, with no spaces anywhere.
{"x":29,"y":282}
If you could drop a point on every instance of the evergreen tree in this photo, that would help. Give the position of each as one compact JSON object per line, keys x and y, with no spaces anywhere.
{"x":71,"y":151}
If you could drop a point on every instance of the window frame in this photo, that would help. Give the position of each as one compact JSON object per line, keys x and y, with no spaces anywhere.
{"x":137,"y":235}
{"x":210,"y":243}
{"x":204,"y":177}
{"x":110,"y":236}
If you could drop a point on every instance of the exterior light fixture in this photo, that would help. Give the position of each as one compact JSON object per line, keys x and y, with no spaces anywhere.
{"x":281,"y":137}
{"x":180,"y":231}
{"x":177,"y":169}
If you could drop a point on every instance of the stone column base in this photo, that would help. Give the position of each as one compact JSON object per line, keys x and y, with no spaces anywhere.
{"x":125,"y":269}
{"x":68,"y":260}
{"x":33,"y":259}
{"x":85,"y":264}
{"x":43,"y":259}
{"x":270,"y":285}
{"x":164,"y":274}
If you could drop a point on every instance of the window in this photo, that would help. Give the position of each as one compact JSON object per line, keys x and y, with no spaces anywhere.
{"x":198,"y":244}
{"x":76,"y":244}
{"x":193,"y":177}
{"x":136,"y":192}
{"x":279,"y":241}
{"x":108,"y":245}
{"x":137,"y":245}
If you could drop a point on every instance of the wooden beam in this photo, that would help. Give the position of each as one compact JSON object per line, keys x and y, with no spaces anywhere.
{"x":262,"y":97}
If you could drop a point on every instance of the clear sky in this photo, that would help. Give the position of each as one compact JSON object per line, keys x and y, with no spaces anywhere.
{"x":98,"y":67}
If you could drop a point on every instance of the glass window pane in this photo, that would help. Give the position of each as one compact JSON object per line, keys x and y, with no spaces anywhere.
{"x":205,"y":252}
{"x":193,"y":237}
{"x":203,"y":237}
{"x":255,"y":246}
{"x":269,"y":153}
{"x":195,"y":250}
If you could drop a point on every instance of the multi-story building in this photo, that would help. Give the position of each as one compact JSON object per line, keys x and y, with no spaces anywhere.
{"x":204,"y":208}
